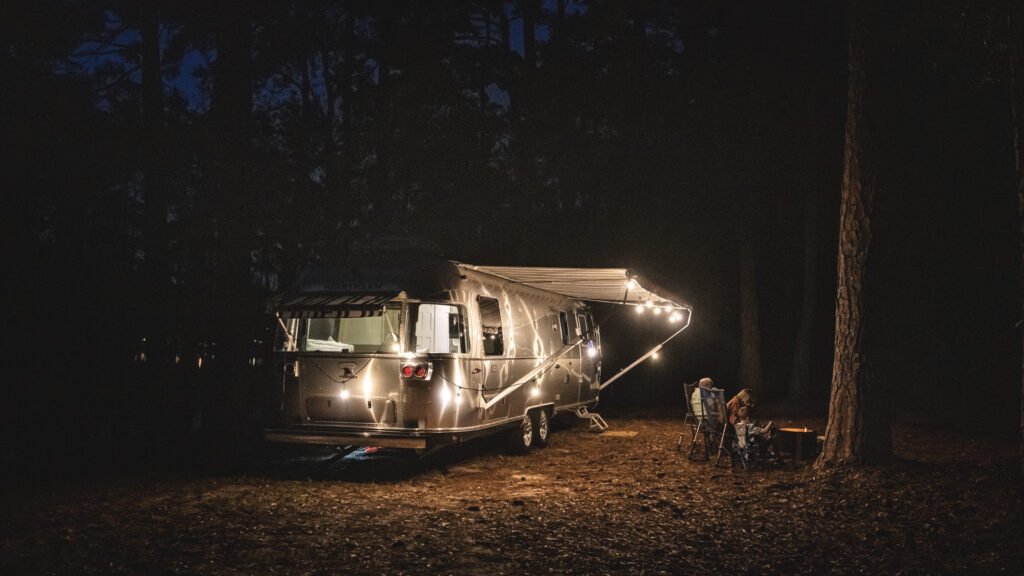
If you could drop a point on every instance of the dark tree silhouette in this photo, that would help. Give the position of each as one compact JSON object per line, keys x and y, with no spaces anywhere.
{"x":1015,"y":20}
{"x":751,"y":374}
{"x":858,"y":429}
{"x":801,"y":388}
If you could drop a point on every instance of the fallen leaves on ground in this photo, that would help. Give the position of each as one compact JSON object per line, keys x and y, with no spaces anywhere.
{"x":587,"y":504}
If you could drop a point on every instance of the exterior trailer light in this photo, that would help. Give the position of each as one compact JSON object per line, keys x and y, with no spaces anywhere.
{"x":418,"y":371}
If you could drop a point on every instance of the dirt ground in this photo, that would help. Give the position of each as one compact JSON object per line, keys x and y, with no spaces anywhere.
{"x":622,"y":502}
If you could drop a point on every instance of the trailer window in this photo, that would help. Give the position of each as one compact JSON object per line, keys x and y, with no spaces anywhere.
{"x":490,"y":326}
{"x":563,"y":323}
{"x":367,"y":335}
{"x":584,"y":328}
{"x":436,"y":329}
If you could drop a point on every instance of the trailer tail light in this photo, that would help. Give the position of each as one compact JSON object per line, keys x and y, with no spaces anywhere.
{"x":421,"y":371}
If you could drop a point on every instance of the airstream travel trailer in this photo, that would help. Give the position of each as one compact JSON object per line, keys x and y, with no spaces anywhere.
{"x":427,"y":352}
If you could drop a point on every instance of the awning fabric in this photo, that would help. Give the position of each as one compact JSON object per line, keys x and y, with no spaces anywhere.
{"x":332,"y":305}
{"x":610,"y":285}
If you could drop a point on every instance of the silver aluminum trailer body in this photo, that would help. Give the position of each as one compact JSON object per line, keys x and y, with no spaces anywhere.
{"x":424,"y":352}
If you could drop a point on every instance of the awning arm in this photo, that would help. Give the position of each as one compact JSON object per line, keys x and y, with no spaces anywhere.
{"x":640,"y":360}
{"x":531,"y":375}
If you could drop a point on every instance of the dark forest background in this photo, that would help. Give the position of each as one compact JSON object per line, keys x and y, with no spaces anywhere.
{"x":169,"y":165}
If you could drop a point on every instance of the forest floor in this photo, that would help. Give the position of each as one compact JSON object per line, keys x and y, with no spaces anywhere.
{"x":622,"y":502}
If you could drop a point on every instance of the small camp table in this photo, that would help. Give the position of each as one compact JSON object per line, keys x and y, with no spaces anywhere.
{"x":802,"y":443}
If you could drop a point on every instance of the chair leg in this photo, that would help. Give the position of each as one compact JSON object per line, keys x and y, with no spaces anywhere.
{"x":721,"y":446}
{"x":693,"y":443}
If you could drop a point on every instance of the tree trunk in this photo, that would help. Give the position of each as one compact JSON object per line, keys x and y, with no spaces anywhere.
{"x":800,"y":388}
{"x":751,"y":367}
{"x":348,"y":144}
{"x":522,"y":114}
{"x":1015,"y":21}
{"x":858,"y":429}
{"x":330,"y":142}
{"x":157,"y":275}
{"x":231,"y":112}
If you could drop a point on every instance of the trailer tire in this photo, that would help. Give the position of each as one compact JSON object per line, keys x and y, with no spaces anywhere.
{"x":541,"y":422}
{"x":521,"y":437}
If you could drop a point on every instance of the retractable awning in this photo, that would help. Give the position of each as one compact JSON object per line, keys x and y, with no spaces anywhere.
{"x":609,"y":285}
{"x":332,"y":305}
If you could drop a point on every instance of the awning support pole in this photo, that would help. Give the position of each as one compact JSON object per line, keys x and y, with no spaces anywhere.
{"x":531,"y":375}
{"x":640,"y":360}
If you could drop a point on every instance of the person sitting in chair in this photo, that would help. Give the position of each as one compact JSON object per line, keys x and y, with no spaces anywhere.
{"x":749,"y":433}
{"x":743,"y":398}
{"x":703,"y":399}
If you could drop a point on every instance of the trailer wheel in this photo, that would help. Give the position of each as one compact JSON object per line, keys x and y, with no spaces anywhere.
{"x":521,"y":437}
{"x":541,"y":427}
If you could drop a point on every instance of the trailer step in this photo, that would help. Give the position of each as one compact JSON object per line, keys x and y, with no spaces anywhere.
{"x":597,"y":424}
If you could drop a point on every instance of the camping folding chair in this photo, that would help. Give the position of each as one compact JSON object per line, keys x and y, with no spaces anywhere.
{"x":752,"y":449}
{"x":690,"y":420}
{"x":745,"y":447}
{"x":712,"y":427}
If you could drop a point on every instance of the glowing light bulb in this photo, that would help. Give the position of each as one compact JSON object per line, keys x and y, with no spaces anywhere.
{"x":657,"y":311}
{"x":344,"y":394}
{"x":668,"y":307}
{"x":591,"y":350}
{"x":676,"y":317}
{"x":656,"y":355}
{"x":631,"y":284}
{"x":639,"y":309}
{"x":535,"y":391}
{"x":649,"y":304}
